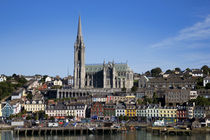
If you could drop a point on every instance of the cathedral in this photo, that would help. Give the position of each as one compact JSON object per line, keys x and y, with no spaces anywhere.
{"x":106,"y":75}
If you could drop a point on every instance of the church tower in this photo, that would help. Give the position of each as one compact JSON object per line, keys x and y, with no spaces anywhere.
{"x":79,"y":59}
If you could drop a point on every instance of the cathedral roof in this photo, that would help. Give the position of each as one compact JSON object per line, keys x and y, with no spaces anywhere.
{"x":119,"y":67}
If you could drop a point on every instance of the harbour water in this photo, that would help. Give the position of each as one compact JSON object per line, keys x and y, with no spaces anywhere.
{"x":131,"y":135}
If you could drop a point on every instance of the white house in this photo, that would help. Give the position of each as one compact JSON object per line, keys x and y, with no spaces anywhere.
{"x":99,"y":98}
{"x":3,"y":78}
{"x":206,"y":81}
{"x":57,"y":82}
{"x":197,"y":73}
{"x":48,"y":79}
{"x":120,"y":110}
{"x":193,"y":94}
{"x":18,"y":94}
{"x":16,"y":105}
{"x":152,"y":111}
{"x":141,"y":111}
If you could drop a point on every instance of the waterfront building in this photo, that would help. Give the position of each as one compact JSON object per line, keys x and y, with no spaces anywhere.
{"x":109,"y":111}
{"x":110,"y":75}
{"x":58,"y":110}
{"x":130,"y":110}
{"x":120,"y":110}
{"x":77,"y":110}
{"x":181,"y":113}
{"x":16,"y":105}
{"x":190,"y":111}
{"x":167,"y":112}
{"x":141,"y":111}
{"x":6,"y":110}
{"x":199,"y":112}
{"x":34,"y":105}
{"x":97,"y":111}
{"x":152,"y":111}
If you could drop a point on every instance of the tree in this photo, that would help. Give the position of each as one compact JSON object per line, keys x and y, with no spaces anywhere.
{"x":207,"y":86}
{"x":156,"y":72}
{"x":148,"y":73}
{"x":52,"y":118}
{"x":199,"y":83}
{"x":134,"y":88}
{"x":28,"y":118}
{"x":177,"y":69}
{"x":205,"y":69}
{"x":155,"y":98}
{"x":168,"y":71}
{"x":188,"y":69}
{"x":146,"y":100}
{"x":29,"y":96}
{"x":139,"y":101}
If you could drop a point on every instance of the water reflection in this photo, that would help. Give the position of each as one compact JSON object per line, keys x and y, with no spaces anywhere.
{"x":133,"y":135}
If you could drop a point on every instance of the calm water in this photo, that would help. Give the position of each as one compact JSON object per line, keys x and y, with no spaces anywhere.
{"x":135,"y":135}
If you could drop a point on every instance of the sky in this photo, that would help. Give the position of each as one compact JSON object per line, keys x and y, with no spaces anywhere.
{"x":38,"y":36}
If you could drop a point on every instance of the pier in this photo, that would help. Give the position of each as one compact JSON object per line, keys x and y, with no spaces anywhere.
{"x":168,"y":131}
{"x":64,"y":131}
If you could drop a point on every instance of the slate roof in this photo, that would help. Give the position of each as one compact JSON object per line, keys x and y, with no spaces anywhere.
{"x":99,"y":67}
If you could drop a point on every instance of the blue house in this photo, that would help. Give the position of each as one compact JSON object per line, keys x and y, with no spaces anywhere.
{"x":7,"y":110}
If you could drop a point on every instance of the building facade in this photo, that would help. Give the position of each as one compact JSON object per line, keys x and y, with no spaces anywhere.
{"x":110,"y":75}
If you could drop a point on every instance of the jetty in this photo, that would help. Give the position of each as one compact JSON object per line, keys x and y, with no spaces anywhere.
{"x":64,"y":131}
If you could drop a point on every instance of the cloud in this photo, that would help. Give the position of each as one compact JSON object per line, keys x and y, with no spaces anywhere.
{"x":188,"y":36}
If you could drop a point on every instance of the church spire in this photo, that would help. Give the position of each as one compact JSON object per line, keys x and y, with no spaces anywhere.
{"x":79,"y":32}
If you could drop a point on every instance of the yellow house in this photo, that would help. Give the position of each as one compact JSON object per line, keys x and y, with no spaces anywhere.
{"x":167,"y":112}
{"x":34,"y":106}
{"x":130,"y":110}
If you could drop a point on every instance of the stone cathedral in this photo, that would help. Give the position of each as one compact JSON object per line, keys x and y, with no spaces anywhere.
{"x":105,"y":75}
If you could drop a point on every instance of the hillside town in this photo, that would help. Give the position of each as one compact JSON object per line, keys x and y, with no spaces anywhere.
{"x":157,"y":98}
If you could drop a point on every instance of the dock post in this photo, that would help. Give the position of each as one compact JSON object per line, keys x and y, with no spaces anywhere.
{"x":51,"y":132}
{"x":32,"y":132}
{"x":26,"y":132}
{"x":39,"y":132}
{"x":74,"y":131}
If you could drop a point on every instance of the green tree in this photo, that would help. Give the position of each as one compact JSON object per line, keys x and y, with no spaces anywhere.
{"x":52,"y":118}
{"x":199,"y":83}
{"x":178,"y":69}
{"x":134,"y":89}
{"x":148,"y":73}
{"x":156,"y":72}
{"x":28,"y":118}
{"x":205,"y":69}
{"x":188,"y":69}
{"x":207,"y":86}
{"x":139,"y":101}
{"x":168,"y":71}
{"x":155,"y":98}
{"x":29,"y":96}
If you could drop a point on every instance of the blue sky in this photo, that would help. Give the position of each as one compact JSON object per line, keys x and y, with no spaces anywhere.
{"x":37,"y":36}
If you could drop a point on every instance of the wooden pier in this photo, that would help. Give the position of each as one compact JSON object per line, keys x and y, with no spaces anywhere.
{"x":63,"y":131}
